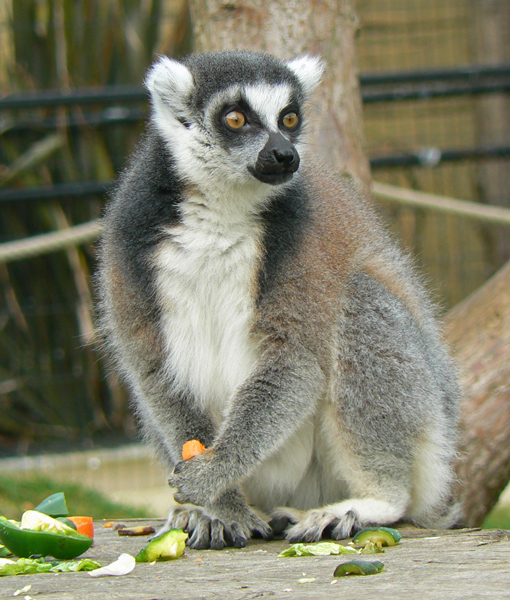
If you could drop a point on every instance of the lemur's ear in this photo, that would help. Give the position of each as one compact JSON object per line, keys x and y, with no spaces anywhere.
{"x":169,"y":82}
{"x":308,"y":69}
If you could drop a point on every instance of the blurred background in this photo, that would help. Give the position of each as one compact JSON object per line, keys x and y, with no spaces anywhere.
{"x":435,"y":83}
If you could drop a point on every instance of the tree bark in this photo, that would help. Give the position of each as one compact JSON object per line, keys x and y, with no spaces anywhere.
{"x":478,"y":330}
{"x":289,"y":29}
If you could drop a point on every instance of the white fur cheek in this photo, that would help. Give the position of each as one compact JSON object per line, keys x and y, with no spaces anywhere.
{"x":166,"y":122}
{"x":185,"y":146}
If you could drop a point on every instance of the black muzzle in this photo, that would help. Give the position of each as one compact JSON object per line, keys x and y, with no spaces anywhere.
{"x":277,"y":161}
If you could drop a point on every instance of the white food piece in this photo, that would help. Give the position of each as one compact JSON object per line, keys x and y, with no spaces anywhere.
{"x":122,"y":566}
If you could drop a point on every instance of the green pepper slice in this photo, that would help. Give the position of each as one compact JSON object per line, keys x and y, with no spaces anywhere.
{"x":54,"y":505}
{"x":168,"y":546}
{"x":382,"y":536}
{"x":25,"y":542}
{"x":358,"y":567}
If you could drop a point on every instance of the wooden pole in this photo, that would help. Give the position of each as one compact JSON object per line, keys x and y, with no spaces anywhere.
{"x":461,"y":208}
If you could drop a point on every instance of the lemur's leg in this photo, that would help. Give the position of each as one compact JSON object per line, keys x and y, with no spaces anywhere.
{"x":387,"y":434}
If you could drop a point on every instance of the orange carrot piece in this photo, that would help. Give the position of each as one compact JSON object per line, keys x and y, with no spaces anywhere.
{"x":84,"y":525}
{"x":192,"y":448}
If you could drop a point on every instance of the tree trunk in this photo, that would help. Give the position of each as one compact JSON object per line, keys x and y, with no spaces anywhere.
{"x":478,"y":330}
{"x":288,"y":29}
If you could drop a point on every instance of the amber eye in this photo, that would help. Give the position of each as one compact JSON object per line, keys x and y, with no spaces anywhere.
{"x":235,"y":119}
{"x":290,"y":120}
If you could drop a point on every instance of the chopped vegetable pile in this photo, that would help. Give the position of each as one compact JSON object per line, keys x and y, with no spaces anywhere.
{"x":46,"y":531}
{"x":25,"y":566}
{"x":39,"y":534}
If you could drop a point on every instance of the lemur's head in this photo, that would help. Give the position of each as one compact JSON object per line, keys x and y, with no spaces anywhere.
{"x":233,"y":116}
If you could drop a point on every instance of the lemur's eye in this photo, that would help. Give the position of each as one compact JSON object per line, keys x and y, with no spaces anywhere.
{"x":290,"y":120}
{"x":235,"y":119}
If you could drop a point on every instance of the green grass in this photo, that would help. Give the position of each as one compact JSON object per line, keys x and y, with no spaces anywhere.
{"x":18,"y":494}
{"x":498,"y":518}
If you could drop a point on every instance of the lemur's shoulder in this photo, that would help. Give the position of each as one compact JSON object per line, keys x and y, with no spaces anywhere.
{"x":146,"y":195}
{"x":348,"y":236}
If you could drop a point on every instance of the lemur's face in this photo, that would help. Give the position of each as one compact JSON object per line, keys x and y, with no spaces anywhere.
{"x":233,"y":118}
{"x":257,"y":127}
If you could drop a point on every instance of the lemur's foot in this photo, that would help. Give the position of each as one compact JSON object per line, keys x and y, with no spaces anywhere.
{"x":314,"y":525}
{"x":335,"y":521}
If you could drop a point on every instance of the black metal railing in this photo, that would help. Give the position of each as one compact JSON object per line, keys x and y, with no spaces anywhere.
{"x":114,"y":105}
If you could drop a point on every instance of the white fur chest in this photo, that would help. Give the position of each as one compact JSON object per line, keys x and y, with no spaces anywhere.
{"x":207,"y":270}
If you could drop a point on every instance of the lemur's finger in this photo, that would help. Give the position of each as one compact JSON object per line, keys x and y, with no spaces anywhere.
{"x":238,"y":538}
{"x":201,"y":537}
{"x":217,"y":535}
{"x":279,"y":524}
{"x":180,"y":519}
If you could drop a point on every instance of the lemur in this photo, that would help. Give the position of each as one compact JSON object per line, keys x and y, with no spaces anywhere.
{"x":257,"y":304}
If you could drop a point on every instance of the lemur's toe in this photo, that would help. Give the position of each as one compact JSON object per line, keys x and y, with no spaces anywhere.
{"x":347,"y":526}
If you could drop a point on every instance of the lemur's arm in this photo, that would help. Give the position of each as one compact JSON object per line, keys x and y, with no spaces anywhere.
{"x":265,"y":412}
{"x":172,"y":419}
{"x":170,"y":414}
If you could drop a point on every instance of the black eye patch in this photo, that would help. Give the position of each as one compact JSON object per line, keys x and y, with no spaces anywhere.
{"x":252,"y":126}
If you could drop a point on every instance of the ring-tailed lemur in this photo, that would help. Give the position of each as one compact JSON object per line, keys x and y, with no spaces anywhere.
{"x":257,"y":305}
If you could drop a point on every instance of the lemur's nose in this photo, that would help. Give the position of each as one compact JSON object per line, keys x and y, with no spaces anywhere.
{"x":285,"y":157}
{"x":277,"y":161}
{"x":278,"y":155}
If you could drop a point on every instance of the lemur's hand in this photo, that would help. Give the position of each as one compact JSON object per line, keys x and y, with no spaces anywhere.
{"x":196,"y":480}
{"x":228,"y":521}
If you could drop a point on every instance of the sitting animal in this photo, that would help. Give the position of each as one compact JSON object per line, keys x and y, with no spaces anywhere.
{"x":257,"y":304}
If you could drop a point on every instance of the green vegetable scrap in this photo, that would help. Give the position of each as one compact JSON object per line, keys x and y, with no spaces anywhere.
{"x":26,"y":566}
{"x":359,"y":567}
{"x":84,"y":564}
{"x":166,"y":547}
{"x":36,"y":521}
{"x":379,"y":536}
{"x":40,"y":534}
{"x":4,"y":551}
{"x":318,"y":549}
{"x":54,"y":506}
{"x":67,"y":522}
{"x":372,"y":548}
